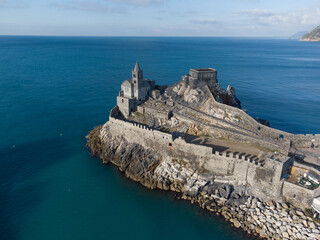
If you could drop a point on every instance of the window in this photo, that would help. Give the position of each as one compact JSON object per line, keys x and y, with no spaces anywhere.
{"x":122,"y":101}
{"x":170,"y":144}
{"x":135,"y":82}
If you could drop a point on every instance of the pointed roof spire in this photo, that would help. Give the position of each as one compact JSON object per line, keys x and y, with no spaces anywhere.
{"x":137,"y":67}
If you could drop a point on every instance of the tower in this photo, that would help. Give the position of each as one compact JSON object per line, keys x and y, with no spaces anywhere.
{"x":137,"y":76}
{"x":137,"y":81}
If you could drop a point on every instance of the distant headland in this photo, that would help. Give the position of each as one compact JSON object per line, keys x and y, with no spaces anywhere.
{"x":313,"y":36}
{"x":194,"y":139}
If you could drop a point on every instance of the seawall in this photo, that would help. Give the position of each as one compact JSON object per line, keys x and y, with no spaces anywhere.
{"x":262,"y":175}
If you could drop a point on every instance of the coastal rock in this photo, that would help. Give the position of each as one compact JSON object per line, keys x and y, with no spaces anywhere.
{"x":267,"y":219}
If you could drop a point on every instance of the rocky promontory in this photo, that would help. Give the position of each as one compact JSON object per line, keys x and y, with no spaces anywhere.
{"x":193,"y":138}
{"x":266,"y":219}
{"x":313,"y":36}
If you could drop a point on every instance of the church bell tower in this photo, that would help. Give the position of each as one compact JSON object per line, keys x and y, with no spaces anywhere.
{"x":137,"y":76}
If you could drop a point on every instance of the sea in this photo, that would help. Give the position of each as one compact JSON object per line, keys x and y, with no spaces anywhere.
{"x":54,"y":90}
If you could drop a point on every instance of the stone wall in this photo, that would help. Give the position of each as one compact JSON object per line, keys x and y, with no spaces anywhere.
{"x":263,"y":177}
{"x":305,"y":140}
{"x":299,"y":195}
{"x":221,"y":132}
{"x":126,"y":105}
{"x":240,"y":118}
{"x":198,"y":78}
{"x":246,"y":121}
{"x":156,"y":113}
{"x":140,"y":134}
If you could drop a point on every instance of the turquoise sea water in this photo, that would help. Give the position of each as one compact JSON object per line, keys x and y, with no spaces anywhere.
{"x":53,"y":90}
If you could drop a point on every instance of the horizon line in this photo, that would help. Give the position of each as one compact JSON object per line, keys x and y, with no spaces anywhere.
{"x":142,"y":36}
{"x":130,"y":36}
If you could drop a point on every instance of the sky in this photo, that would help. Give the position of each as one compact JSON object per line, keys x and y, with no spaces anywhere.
{"x":223,"y":18}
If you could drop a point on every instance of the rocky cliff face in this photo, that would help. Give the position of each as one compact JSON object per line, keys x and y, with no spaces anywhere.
{"x":314,"y":35}
{"x":194,"y":96}
{"x":271,"y":220}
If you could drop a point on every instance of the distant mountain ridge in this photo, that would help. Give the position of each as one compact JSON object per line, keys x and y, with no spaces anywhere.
{"x":314,"y":35}
{"x":298,"y":35}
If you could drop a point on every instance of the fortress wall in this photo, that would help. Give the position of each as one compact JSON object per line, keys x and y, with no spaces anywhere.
{"x":268,"y":180}
{"x":190,"y":148}
{"x":231,"y":164}
{"x":148,"y":137}
{"x":240,"y":170}
{"x":219,"y":132}
{"x":299,"y":195}
{"x":242,"y":138}
{"x":114,"y":112}
{"x":157,"y":113}
{"x":136,"y":133}
{"x":305,"y":140}
{"x":220,"y":164}
{"x":284,"y":138}
{"x":303,"y":136}
{"x":249,"y":121}
{"x":263,"y":179}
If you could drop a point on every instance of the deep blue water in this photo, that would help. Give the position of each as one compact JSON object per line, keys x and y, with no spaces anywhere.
{"x":53,"y":90}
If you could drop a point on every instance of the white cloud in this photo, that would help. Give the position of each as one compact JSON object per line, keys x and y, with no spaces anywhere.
{"x":205,"y":21}
{"x":111,"y":6}
{"x":13,"y":4}
{"x":254,"y":13}
{"x":139,"y":2}
{"x":87,"y":6}
{"x":299,"y":17}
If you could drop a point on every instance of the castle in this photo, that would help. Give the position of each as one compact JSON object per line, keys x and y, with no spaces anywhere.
{"x":204,"y":76}
{"x":137,"y":90}
{"x":192,"y":137}
{"x":190,"y":109}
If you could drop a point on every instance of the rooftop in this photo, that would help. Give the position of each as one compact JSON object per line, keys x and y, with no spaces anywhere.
{"x":203,"y":69}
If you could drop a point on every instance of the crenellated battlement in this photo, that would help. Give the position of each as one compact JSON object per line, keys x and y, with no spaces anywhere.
{"x":305,"y":141}
{"x":147,"y":133}
{"x":297,"y":136}
{"x":241,"y":156}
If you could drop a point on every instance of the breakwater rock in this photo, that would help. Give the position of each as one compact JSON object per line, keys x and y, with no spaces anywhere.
{"x":266,"y":219}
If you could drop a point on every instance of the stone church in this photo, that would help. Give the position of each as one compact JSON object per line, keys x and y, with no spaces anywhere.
{"x":134,"y":91}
